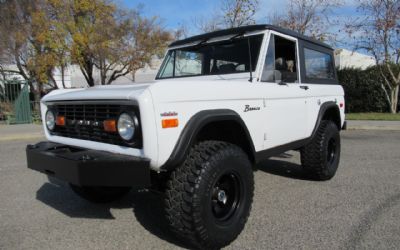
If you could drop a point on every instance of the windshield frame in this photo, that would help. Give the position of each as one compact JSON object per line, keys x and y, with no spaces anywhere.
{"x":214,"y":40}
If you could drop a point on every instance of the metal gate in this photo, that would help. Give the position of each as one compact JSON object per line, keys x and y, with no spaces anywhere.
{"x":15,"y":105}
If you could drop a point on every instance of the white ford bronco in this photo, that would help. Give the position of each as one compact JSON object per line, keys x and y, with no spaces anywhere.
{"x":221,"y":103}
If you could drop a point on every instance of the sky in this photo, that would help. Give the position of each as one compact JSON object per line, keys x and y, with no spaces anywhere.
{"x":174,"y":13}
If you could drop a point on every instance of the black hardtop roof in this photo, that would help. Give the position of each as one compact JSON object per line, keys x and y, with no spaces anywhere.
{"x":248,"y":28}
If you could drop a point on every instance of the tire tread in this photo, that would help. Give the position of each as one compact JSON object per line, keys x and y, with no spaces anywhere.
{"x":312,"y":155}
{"x":182,"y":202}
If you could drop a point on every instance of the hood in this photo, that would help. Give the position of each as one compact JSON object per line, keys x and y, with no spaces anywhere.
{"x":109,"y":92}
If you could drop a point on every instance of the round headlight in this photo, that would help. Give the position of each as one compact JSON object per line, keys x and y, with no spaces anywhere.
{"x":50,"y":120}
{"x":126,"y":126}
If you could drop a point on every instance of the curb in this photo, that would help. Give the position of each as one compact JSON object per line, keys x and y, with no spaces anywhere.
{"x":382,"y":128}
{"x":373,"y":125}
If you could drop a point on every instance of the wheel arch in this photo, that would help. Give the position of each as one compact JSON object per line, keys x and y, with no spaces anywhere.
{"x":328,"y":111}
{"x":218,"y":124}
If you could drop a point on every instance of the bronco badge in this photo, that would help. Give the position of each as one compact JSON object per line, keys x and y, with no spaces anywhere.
{"x":247,"y":108}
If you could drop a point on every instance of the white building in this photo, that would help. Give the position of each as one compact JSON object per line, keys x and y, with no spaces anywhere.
{"x":57,"y":76}
{"x":349,"y":59}
{"x":74,"y":77}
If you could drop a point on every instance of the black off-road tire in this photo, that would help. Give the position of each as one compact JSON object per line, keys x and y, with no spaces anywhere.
{"x":195,"y":206}
{"x":100,"y":194}
{"x":320,"y":158}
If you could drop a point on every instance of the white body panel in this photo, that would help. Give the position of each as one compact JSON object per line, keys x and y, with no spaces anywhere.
{"x":287,"y":113}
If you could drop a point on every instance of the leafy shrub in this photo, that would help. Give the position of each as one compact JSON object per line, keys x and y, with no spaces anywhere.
{"x":363,"y":91}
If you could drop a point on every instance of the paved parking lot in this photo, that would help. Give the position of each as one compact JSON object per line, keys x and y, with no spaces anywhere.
{"x":358,"y":209}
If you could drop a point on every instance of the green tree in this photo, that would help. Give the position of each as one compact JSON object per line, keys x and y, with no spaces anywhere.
{"x":132,"y":42}
{"x":60,"y":37}
{"x":43,"y":35}
{"x":112,"y":40}
{"x":85,"y":22}
{"x":29,"y":43}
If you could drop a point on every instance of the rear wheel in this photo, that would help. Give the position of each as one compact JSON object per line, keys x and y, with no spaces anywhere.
{"x":100,"y":194}
{"x":208,"y":198}
{"x":321,"y":156}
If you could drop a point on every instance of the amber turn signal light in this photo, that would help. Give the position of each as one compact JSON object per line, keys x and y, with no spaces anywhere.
{"x":60,"y":120}
{"x":110,"y":126}
{"x":170,"y":123}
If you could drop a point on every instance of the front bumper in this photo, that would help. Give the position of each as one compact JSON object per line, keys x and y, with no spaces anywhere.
{"x":85,"y":167}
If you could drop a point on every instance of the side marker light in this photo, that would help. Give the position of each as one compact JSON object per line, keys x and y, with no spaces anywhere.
{"x":170,"y":123}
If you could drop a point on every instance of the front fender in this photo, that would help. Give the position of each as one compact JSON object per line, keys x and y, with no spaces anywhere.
{"x":193,"y":127}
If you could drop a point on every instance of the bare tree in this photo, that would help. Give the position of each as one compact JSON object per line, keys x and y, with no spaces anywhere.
{"x":232,"y":13}
{"x":181,"y":32}
{"x":308,"y":17}
{"x":208,"y":24}
{"x":377,"y":31}
{"x":14,"y":23}
{"x":239,"y":12}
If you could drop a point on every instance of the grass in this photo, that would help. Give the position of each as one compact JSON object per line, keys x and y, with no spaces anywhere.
{"x":373,"y":116}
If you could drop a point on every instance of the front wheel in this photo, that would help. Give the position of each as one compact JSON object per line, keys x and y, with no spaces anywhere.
{"x":100,"y":194}
{"x":208,"y":198}
{"x":321,"y":156}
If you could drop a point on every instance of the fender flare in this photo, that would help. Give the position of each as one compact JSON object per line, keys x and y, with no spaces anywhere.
{"x":324,"y":107}
{"x":194,"y":126}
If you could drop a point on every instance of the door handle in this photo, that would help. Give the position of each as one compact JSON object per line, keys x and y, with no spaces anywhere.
{"x":304,"y":87}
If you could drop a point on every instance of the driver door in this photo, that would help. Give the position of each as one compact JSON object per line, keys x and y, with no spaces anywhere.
{"x":285,"y":113}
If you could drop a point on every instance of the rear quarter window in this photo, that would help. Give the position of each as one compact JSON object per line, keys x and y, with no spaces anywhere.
{"x":318,"y":65}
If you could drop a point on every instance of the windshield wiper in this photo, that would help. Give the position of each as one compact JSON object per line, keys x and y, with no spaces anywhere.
{"x":202,"y":42}
{"x":219,"y":39}
{"x":237,"y":36}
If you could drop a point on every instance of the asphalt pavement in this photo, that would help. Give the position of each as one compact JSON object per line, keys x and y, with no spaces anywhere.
{"x":358,"y":209}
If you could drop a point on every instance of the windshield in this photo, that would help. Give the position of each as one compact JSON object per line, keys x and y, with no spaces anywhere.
{"x":224,"y":57}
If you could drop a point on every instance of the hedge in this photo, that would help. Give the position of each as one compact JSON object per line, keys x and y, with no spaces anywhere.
{"x":363,"y":91}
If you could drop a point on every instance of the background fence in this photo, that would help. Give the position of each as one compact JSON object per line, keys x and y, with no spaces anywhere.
{"x":15,"y":105}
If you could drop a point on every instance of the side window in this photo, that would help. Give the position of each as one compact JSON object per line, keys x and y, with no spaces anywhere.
{"x":281,"y":61}
{"x":168,"y":67}
{"x":181,"y":63}
{"x":268,"y":74}
{"x":318,"y":65}
{"x":188,"y":63}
